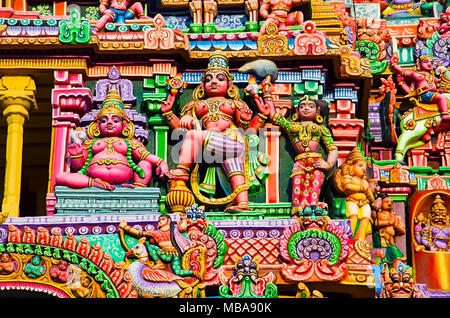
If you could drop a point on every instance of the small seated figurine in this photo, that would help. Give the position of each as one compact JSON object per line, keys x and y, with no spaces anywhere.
{"x":350,"y":178}
{"x":387,"y":226}
{"x":82,"y":288}
{"x":7,"y":265}
{"x":111,"y":155}
{"x":433,"y":232}
{"x":118,"y":11}
{"x":60,"y":272}
{"x":306,"y":136}
{"x":278,"y":11}
{"x":35,"y":267}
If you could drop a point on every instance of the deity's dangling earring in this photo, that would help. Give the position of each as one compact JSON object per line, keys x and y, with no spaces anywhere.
{"x":129,"y":130}
{"x":319,"y":119}
{"x":93,"y":131}
{"x":232,"y":92}
{"x":199,"y":93}
{"x":295,"y":117}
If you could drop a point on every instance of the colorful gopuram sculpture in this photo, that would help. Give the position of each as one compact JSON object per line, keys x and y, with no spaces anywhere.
{"x":214,"y":120}
{"x":225,"y":149}
{"x":307,"y":134}
{"x":106,"y":158}
{"x":350,"y":178}
{"x":432,"y":232}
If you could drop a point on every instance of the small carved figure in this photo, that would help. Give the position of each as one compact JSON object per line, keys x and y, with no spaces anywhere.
{"x":83,"y":287}
{"x":166,"y":244}
{"x":424,"y":83}
{"x":7,"y":264}
{"x":387,"y":225}
{"x":306,"y":135}
{"x":118,"y":11}
{"x":60,"y":272}
{"x":246,"y":283}
{"x":278,"y":12}
{"x":35,"y":267}
{"x":432,"y":233}
{"x":107,"y":158}
{"x":398,"y":282}
{"x":351,"y":180}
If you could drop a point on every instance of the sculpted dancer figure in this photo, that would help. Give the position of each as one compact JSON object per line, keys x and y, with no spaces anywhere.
{"x":306,"y":133}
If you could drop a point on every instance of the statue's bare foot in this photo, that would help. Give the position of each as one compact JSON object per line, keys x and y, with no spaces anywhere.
{"x":238,"y":208}
{"x":178,"y":174}
{"x":102,"y":184}
{"x":443,"y":124}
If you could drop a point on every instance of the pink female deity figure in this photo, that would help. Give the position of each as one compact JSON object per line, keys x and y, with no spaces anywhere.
{"x":213,"y":120}
{"x":277,"y":11}
{"x":423,"y":83}
{"x":111,"y":155}
{"x":118,"y":11}
{"x":307,"y":133}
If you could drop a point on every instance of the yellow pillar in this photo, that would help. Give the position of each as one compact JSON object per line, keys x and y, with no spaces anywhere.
{"x":16,"y":100}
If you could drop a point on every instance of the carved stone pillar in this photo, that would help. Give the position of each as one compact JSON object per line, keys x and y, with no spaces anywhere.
{"x":16,"y":100}
{"x":272,"y":135}
{"x":70,"y":101}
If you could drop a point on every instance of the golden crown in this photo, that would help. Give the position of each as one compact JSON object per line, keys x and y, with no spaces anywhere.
{"x":112,"y":104}
{"x":218,"y":62}
{"x":354,"y":156}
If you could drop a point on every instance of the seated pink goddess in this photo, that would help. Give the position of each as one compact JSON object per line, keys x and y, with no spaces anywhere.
{"x":111,"y":155}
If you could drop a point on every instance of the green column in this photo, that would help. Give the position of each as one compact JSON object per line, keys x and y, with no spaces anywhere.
{"x":161,"y":141}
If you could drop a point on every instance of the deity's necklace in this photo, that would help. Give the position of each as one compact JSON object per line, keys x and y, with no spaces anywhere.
{"x":214,"y":108}
{"x":110,"y":141}
{"x":428,"y":77}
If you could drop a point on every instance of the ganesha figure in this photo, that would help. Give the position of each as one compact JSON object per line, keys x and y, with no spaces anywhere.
{"x":118,"y":11}
{"x":433,"y":232}
{"x":111,"y":155}
{"x":214,"y":119}
{"x":307,"y":133}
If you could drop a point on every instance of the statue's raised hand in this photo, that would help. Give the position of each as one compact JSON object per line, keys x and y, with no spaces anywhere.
{"x":75,"y":149}
{"x":166,"y":105}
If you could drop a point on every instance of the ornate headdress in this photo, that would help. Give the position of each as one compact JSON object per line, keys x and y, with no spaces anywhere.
{"x":438,"y":203}
{"x":218,"y":62}
{"x":354,"y":156}
{"x":112,"y":105}
{"x":425,"y":53}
